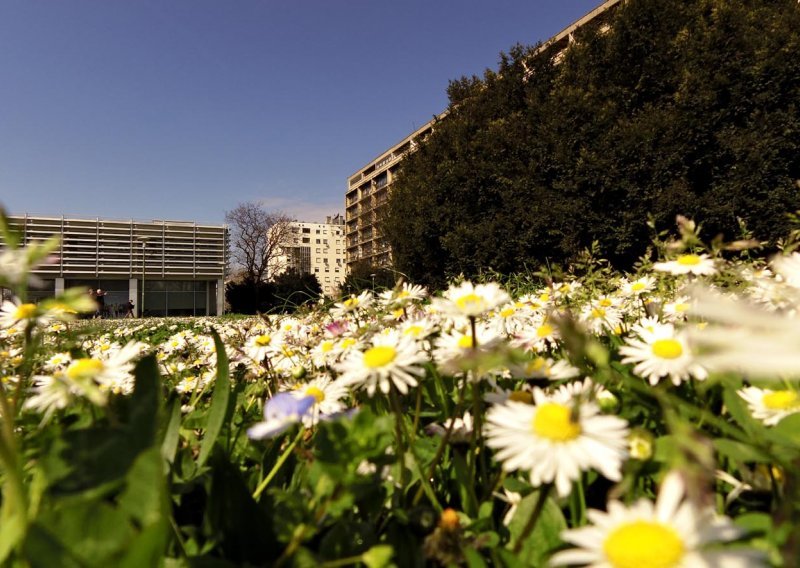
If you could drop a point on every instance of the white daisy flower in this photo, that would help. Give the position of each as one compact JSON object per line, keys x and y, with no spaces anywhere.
{"x":678,"y":309}
{"x":457,"y":351}
{"x":471,"y":300}
{"x":601,"y":319}
{"x":673,"y":532}
{"x":635,"y":288}
{"x":789,"y":268}
{"x":556,"y":439}
{"x":261,"y":345}
{"x":14,"y":311}
{"x":328,"y":397}
{"x":353,"y":304}
{"x":696,"y":264}
{"x":770,"y":406}
{"x":545,"y":368}
{"x":392,"y":359}
{"x":662,"y":353}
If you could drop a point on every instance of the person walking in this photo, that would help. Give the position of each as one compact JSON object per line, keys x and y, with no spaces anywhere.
{"x":101,"y":302}
{"x":129,"y":309}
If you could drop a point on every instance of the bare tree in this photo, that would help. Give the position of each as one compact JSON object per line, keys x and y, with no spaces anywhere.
{"x":257,"y":236}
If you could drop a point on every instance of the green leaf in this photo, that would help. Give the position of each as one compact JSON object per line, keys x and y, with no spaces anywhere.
{"x":473,"y":558}
{"x":219,"y":402}
{"x":787,"y":431}
{"x":43,"y":550}
{"x":169,"y":445}
{"x":145,"y":493}
{"x":545,"y":536}
{"x":378,"y":556}
{"x":740,"y":452}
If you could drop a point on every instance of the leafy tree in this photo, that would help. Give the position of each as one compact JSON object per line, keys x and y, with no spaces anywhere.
{"x":246,"y":297}
{"x":364,"y":276}
{"x":293,"y":289}
{"x":677,"y":107}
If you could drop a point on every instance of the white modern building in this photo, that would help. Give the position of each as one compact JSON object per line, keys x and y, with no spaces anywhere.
{"x":318,"y":249}
{"x":167,"y":268}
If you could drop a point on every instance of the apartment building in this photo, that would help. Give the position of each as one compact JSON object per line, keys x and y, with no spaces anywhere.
{"x":368,"y":189}
{"x":167,"y":268}
{"x":318,"y":249}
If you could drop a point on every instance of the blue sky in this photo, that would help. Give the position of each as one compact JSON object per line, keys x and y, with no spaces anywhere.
{"x":180,"y":109}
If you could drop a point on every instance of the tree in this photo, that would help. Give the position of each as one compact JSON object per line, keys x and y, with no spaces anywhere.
{"x":364,"y":276}
{"x":257,"y":236}
{"x":678,"y":107}
{"x":293,"y":290}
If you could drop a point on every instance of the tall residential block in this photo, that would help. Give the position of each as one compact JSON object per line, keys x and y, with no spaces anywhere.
{"x":315,"y":248}
{"x":368,"y":190}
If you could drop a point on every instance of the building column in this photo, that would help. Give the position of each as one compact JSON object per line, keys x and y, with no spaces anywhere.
{"x":59,"y":285}
{"x":220,"y":296}
{"x":133,"y":295}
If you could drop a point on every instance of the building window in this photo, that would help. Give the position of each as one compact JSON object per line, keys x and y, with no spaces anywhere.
{"x":338,"y":251}
{"x":316,"y":269}
{"x":306,"y":230}
{"x":306,"y":240}
{"x":317,"y":251}
{"x":317,"y":241}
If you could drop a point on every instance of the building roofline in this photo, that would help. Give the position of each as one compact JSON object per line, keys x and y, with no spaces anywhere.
{"x":158,"y":222}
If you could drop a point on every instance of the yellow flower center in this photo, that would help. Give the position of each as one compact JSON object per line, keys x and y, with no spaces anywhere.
{"x":327,"y":346}
{"x":83,"y":369}
{"x":398,"y":313}
{"x":537,"y":364}
{"x":25,"y":311}
{"x":316,"y":392}
{"x":466,"y":342}
{"x":781,"y":400}
{"x":689,"y":260}
{"x":379,"y":356}
{"x":506,"y":313}
{"x":351,"y":303}
{"x":544,"y":330}
{"x":470,"y":302}
{"x":667,"y":348}
{"x":554,"y":422}
{"x":403,"y":294}
{"x":347,"y":342}
{"x":544,"y":297}
{"x":521,"y":396}
{"x":681,"y":307}
{"x":637,"y":286}
{"x":643,"y":543}
{"x":413,"y":330}
{"x":606,"y":302}
{"x":598,"y":313}
{"x":263,"y":340}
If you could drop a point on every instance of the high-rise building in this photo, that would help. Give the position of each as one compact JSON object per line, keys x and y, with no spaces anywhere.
{"x":315,"y":248}
{"x":367,"y":192}
{"x":166,"y":268}
{"x":368,"y":189}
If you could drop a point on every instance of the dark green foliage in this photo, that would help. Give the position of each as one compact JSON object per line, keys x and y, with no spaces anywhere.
{"x":286,"y":292}
{"x":247,"y":297}
{"x":681,"y":107}
{"x":364,"y":276}
{"x":293,"y":289}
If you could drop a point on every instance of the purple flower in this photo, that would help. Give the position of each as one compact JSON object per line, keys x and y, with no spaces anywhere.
{"x":280,"y":412}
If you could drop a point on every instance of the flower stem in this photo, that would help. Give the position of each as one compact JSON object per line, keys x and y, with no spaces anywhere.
{"x":278,"y":464}
{"x":544,"y":492}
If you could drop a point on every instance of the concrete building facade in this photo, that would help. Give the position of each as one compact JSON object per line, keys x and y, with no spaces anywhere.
{"x":368,"y":189}
{"x":170,"y":268}
{"x":318,"y":249}
{"x":367,"y":192}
